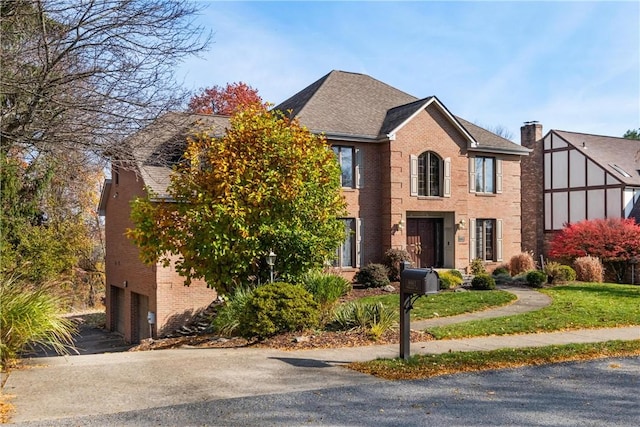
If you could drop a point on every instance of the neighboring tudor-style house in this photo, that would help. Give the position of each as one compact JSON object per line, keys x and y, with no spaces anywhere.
{"x":133,"y":289}
{"x":570,"y":177}
{"x":415,"y":176}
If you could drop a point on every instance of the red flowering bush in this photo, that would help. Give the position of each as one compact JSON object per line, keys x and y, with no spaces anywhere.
{"x":614,"y":240}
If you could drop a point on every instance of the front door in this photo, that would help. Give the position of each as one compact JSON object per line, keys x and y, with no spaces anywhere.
{"x":424,"y":241}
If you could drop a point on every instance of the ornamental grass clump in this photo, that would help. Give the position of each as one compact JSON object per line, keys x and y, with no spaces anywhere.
{"x":227,"y":320}
{"x":373,"y":318}
{"x":521,"y":263}
{"x":589,"y":269}
{"x":31,"y":316}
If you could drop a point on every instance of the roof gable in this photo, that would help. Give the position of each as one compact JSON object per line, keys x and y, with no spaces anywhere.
{"x":346,"y":104}
{"x":357,"y":107}
{"x":610,"y":153}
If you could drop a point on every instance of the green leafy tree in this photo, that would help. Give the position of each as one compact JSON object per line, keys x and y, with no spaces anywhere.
{"x":632,"y":134}
{"x":268,"y":184}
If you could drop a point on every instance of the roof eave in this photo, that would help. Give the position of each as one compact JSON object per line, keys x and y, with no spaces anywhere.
{"x":484,"y":149}
{"x":104,"y":196}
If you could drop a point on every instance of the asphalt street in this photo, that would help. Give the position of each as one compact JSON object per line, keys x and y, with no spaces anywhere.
{"x":596,"y":393}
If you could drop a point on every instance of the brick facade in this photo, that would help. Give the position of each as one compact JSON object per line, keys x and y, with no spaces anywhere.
{"x":532,"y":190}
{"x":166,"y":296}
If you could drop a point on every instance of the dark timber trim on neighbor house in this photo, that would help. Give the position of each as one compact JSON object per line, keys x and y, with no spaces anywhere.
{"x":414,"y":177}
{"x":573,"y":176}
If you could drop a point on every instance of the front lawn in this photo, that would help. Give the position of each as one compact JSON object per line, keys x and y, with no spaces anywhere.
{"x":431,"y":365}
{"x":574,"y":306}
{"x":447,"y":303}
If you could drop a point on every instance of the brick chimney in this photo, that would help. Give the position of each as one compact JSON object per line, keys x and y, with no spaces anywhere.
{"x":532,"y":190}
{"x":530,"y":133}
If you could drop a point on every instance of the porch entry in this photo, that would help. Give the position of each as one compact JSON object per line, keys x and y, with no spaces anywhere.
{"x":425,"y":242}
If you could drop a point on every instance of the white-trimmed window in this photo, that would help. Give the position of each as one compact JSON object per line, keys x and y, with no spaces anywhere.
{"x":349,"y":254}
{"x":485,"y":175}
{"x":350,"y":159}
{"x":430,"y":175}
{"x":485,"y":239}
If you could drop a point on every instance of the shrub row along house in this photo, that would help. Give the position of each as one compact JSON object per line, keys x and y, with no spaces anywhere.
{"x":414,"y":176}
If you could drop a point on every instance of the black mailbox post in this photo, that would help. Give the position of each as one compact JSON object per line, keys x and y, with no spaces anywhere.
{"x":414,"y":282}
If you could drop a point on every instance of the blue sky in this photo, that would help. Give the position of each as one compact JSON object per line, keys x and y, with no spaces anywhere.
{"x":572,"y":65}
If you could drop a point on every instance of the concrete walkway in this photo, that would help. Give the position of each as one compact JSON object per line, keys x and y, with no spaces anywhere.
{"x":528,"y":300}
{"x":94,"y":384}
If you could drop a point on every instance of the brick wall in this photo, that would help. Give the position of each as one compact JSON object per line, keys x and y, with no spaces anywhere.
{"x":168,"y":297}
{"x":385,"y":199}
{"x":532,"y":190}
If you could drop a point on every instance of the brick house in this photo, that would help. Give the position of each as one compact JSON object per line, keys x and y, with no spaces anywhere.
{"x":570,"y":177}
{"x":415,"y":176}
{"x":134,"y":289}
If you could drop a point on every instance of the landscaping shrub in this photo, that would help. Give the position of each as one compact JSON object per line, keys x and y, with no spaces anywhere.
{"x":278,"y":307}
{"x":373,"y":276}
{"x":374,"y":318}
{"x":483,"y":282}
{"x":559,"y":273}
{"x":477,"y":266}
{"x":503,"y":279}
{"x":449,"y":280}
{"x":325,"y":288}
{"x":456,"y":273}
{"x":31,"y":316}
{"x":567,"y":274}
{"x":589,"y":269}
{"x":500,"y":271}
{"x":521,"y":263}
{"x":536,"y":278}
{"x":227,"y":320}
{"x":392,"y":260}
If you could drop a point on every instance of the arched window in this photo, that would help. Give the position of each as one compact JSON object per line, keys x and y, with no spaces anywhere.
{"x":429,"y":174}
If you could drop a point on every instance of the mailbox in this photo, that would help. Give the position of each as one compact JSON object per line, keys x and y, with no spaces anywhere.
{"x":421,"y":281}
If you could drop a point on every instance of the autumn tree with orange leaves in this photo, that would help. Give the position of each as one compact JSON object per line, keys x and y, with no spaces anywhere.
{"x":225,"y":101}
{"x":267,"y":184}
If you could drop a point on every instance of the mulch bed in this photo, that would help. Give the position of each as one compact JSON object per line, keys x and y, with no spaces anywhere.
{"x":292,"y":340}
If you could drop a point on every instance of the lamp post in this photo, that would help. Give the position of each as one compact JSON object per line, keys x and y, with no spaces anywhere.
{"x":271,"y":260}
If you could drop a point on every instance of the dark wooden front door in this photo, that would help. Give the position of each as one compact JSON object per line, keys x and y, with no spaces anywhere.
{"x":424,"y":241}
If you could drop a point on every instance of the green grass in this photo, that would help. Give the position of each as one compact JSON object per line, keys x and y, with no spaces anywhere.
{"x":431,"y":365}
{"x":447,"y":303}
{"x":574,"y":306}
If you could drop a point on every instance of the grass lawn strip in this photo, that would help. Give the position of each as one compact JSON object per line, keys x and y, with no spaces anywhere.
{"x":448,"y":303}
{"x":574,"y":306}
{"x":432,"y":365}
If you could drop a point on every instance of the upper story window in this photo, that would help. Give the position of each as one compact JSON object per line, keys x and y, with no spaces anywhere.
{"x":429,"y":174}
{"x":485,"y":178}
{"x":485,"y":175}
{"x":350,"y":164}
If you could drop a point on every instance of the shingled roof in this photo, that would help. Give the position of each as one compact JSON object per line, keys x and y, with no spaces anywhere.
{"x":611,"y":153}
{"x":345,"y":105}
{"x":159,"y":146}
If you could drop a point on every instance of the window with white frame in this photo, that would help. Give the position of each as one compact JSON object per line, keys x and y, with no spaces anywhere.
{"x":485,"y":174}
{"x":346,"y":158}
{"x":429,"y":174}
{"x":485,"y":236}
{"x":346,"y":253}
